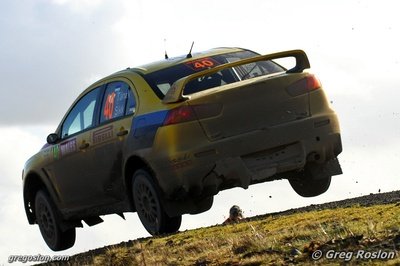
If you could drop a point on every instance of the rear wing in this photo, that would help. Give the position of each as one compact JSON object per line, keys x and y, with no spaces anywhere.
{"x":175,"y":93}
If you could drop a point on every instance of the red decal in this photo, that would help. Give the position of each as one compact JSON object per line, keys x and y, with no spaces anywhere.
{"x":109,"y":106}
{"x":202,"y":64}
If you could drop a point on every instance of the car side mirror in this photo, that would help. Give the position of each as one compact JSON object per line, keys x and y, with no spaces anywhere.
{"x":52,"y":138}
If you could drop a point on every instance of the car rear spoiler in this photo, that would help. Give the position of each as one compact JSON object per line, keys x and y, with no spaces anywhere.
{"x":175,"y":93}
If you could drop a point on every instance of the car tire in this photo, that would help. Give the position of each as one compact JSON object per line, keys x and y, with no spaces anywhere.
{"x":47,"y":219}
{"x":307,"y":184}
{"x":149,"y":207}
{"x":173,"y":224}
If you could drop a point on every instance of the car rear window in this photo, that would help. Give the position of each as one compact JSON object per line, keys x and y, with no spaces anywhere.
{"x":162,"y":80}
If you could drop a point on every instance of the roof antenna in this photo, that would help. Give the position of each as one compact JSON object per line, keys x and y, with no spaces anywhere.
{"x":189,"y":55}
{"x":165,"y":48}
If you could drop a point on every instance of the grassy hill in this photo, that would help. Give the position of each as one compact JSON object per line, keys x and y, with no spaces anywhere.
{"x":360,"y":229}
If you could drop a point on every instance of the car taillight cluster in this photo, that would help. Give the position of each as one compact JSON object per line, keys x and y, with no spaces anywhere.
{"x":304,"y":85}
{"x":186,"y":113}
{"x":179,"y":115}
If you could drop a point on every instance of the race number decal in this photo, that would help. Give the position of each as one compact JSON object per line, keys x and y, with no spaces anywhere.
{"x":201,"y":64}
{"x":109,"y":106}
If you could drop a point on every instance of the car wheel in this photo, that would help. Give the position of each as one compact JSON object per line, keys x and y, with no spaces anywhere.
{"x":46,"y":218}
{"x":173,"y":224}
{"x":149,"y":208}
{"x":307,"y":184}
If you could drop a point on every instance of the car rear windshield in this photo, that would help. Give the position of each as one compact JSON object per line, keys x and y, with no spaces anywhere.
{"x":162,"y":80}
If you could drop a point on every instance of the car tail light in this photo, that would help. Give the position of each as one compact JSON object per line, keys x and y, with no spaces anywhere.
{"x":179,"y":115}
{"x":304,"y":85}
{"x":188,"y":113}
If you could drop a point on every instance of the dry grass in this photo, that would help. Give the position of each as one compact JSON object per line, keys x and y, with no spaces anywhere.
{"x":274,"y":240}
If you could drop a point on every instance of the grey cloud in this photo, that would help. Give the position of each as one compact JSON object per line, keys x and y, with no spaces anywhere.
{"x":370,"y":121}
{"x":46,"y":54}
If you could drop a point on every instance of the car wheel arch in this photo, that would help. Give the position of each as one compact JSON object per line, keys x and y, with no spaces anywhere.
{"x":32,"y":184}
{"x":133,"y":164}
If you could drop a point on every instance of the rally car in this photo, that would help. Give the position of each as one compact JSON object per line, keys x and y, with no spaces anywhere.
{"x":164,"y":138}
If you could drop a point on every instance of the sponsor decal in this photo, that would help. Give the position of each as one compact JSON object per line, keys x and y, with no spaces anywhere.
{"x":68,"y":147}
{"x":102,"y":135}
{"x":46,"y":152}
{"x":181,"y":161}
{"x":56,"y":152}
{"x":180,"y":165}
{"x":51,"y":152}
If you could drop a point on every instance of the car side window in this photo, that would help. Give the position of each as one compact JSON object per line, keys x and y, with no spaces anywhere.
{"x":82,"y":114}
{"x":131,"y":103}
{"x":118,"y":101}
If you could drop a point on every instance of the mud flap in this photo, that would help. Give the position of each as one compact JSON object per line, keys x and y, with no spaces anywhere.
{"x":192,"y":206}
{"x":235,"y":169}
{"x":325,"y":170}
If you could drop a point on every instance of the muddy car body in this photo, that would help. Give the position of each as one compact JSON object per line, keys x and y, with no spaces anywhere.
{"x":164,"y":138}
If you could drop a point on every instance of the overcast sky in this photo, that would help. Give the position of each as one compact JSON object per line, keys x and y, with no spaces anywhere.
{"x":50,"y":51}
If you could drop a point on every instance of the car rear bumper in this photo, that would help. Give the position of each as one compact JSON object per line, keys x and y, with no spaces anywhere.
{"x":249,"y":158}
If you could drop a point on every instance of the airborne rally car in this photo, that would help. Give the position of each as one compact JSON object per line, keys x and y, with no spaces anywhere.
{"x":163,"y":139}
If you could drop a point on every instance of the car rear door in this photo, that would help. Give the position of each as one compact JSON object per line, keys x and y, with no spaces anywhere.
{"x":108,"y":140}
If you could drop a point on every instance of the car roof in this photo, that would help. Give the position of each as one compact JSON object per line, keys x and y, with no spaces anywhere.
{"x":172,"y":61}
{"x":166,"y":63}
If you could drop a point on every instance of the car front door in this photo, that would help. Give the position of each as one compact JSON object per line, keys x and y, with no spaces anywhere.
{"x":74,"y":162}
